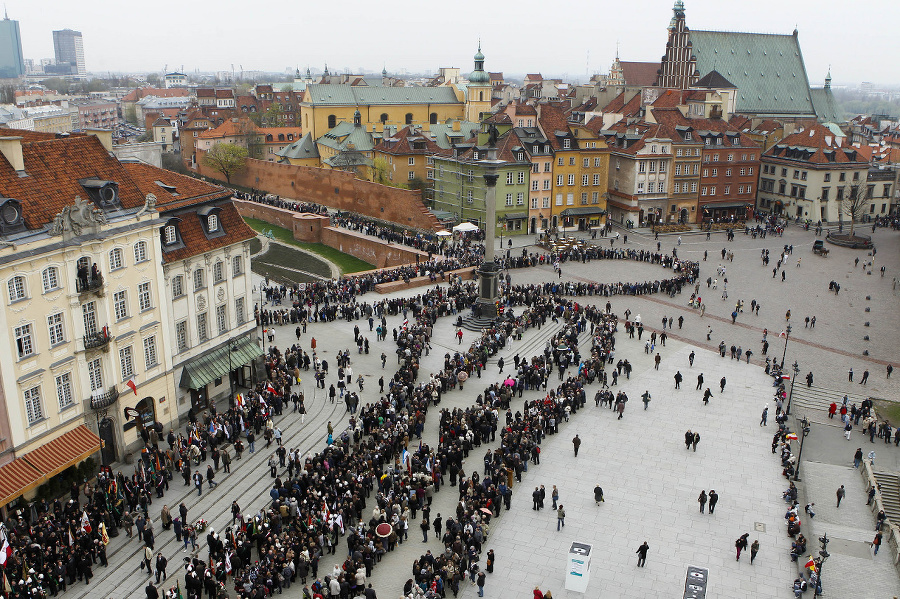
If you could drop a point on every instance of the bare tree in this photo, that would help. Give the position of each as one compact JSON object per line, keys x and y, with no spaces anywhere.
{"x":228,"y":159}
{"x":854,"y":204}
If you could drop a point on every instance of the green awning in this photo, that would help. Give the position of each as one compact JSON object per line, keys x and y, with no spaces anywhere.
{"x":587,"y":211}
{"x":212,"y":365}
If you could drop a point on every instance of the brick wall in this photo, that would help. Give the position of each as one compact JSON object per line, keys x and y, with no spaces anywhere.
{"x":336,"y":189}
{"x":312,"y":228}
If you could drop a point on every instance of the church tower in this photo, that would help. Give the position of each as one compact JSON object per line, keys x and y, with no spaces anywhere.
{"x":678,"y":68}
{"x":478,"y":93}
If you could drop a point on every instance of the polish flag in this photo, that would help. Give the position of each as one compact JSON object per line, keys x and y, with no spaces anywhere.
{"x":131,"y":384}
{"x":85,"y":522}
{"x":5,"y":550}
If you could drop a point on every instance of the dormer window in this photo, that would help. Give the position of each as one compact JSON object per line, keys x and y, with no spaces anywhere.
{"x":169,"y":235}
{"x":169,"y":188}
{"x":687,"y":136}
{"x":11,"y":220}
{"x":210,"y":220}
{"x":212,"y":223}
{"x":567,"y":143}
{"x":105,"y":194}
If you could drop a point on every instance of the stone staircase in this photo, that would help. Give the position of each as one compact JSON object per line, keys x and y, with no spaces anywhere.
{"x":813,"y":402}
{"x":890,"y":493}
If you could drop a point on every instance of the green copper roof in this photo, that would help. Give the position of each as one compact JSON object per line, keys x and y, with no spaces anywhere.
{"x":346,"y":95}
{"x":827,"y":108}
{"x":305,"y":147}
{"x":767,"y":69}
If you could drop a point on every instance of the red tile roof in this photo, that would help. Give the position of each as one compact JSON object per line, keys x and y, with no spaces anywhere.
{"x":401,"y":143}
{"x":195,"y":240}
{"x":814,"y":140}
{"x":160,"y":92}
{"x":642,"y":74}
{"x":552,"y":120}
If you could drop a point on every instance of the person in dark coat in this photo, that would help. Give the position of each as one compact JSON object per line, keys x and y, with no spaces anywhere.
{"x":151,"y":591}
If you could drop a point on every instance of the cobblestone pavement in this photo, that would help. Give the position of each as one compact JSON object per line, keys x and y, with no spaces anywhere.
{"x":651,"y":483}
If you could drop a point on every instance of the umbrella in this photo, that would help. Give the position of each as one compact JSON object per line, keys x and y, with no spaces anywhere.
{"x":509,"y":382}
{"x":791,"y":437}
{"x":484,"y":510}
{"x":384,"y":530}
{"x":563,"y":347}
{"x":462,"y":376}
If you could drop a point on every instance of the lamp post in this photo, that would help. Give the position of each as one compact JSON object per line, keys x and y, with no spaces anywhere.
{"x":786,"y":339}
{"x":231,"y":349}
{"x":804,"y":428}
{"x":823,"y":557}
{"x":793,"y":380}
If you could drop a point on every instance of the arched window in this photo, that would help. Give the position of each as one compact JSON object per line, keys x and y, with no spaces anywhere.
{"x":50,"y":278}
{"x":481,"y":96}
{"x":116,"y":259}
{"x":244,"y":108}
{"x":281,"y":137}
{"x":409,"y":118}
{"x":16,"y":288}
{"x":140,"y":251}
{"x":432,"y":118}
{"x":332,"y":121}
{"x":384,"y":118}
{"x":269,"y":137}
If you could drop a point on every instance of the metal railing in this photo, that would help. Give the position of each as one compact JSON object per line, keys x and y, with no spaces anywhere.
{"x":97,"y":340}
{"x":103,"y":400}
{"x":89,"y":284}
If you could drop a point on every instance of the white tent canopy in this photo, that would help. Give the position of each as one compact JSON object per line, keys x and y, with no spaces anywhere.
{"x":443,"y":233}
{"x":465,"y":227}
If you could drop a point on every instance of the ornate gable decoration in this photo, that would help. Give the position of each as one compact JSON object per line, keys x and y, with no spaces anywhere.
{"x":74,"y":219}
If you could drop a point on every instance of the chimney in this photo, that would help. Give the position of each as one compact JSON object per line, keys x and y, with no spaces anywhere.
{"x":104,"y":135}
{"x":11,"y":148}
{"x":456,"y":126}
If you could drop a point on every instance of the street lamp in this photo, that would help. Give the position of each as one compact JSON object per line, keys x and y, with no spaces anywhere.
{"x":804,"y":424}
{"x":823,"y":557}
{"x":786,"y":339}
{"x":231,"y":349}
{"x":793,"y":380}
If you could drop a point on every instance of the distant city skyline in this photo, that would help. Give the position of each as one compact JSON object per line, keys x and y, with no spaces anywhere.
{"x":574,"y":42}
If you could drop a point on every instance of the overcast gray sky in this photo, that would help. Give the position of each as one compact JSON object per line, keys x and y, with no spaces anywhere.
{"x":561,"y":39}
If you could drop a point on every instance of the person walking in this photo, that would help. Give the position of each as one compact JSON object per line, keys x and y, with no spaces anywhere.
{"x":706,"y":395}
{"x":876,"y":543}
{"x":765,"y":416}
{"x":598,"y":495}
{"x":754,"y":549}
{"x":161,"y":563}
{"x":642,"y":554}
{"x":857,"y":457}
{"x":702,"y":500}
{"x":146,"y":563}
{"x":560,"y":518}
{"x":699,"y":381}
{"x":713,"y":500}
{"x":646,"y":398}
{"x":722,"y":385}
{"x":480,"y":582}
{"x":695,"y":440}
{"x":865,"y":377}
{"x":840,"y":495}
{"x":576,"y":443}
{"x":554,"y":495}
{"x":678,"y":379}
{"x":690,"y":357}
{"x":740,"y":545}
{"x":424,"y":526}
{"x":688,"y":439}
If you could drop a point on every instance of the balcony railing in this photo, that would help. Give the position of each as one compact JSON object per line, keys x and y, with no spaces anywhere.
{"x":103,"y":399}
{"x":89,"y":284}
{"x":98,"y":340}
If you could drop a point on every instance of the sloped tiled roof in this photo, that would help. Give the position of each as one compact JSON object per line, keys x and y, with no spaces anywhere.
{"x":196,"y":242}
{"x":815,"y":144}
{"x":402,"y":143}
{"x":641,"y":74}
{"x":714,"y":80}
{"x":346,"y":95}
{"x":300,"y":149}
{"x":767,"y":69}
{"x":827,"y":108}
{"x":54,"y":169}
{"x":229,"y":128}
{"x":443,"y":133}
{"x":160,"y":92}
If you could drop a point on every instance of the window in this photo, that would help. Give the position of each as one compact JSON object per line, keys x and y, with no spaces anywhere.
{"x":706,"y":172}
{"x":144,"y":296}
{"x":731,"y":158}
{"x":534,"y":203}
{"x":560,"y":180}
{"x":177,"y":286}
{"x":727,"y":190}
{"x":198,"y":279}
{"x":547,"y":166}
{"x":212,"y":223}
{"x":181,"y":336}
{"x":677,"y":169}
{"x":596,"y":162}
{"x":545,"y":203}
{"x":678,"y":152}
{"x":559,"y":198}
{"x":715,"y":172}
{"x":411,"y":161}
{"x":618,"y":163}
{"x":89,"y":312}
{"x":585,"y":179}
{"x":34,"y":409}
{"x":743,"y":172}
{"x":693,"y":188}
{"x":239,"y":314}
{"x":567,"y":143}
{"x":750,"y":170}
{"x":561,"y":161}
{"x":50,"y":278}
{"x":64,"y":390}
{"x":706,"y":158}
{"x":886,"y":190}
{"x":642,"y":167}
{"x":520,"y":199}
{"x":546,"y":184}
{"x":796,"y":174}
{"x":584,"y":197}
{"x":571,"y":179}
{"x":469,"y":197}
{"x":116,"y":260}
{"x":842,"y":177}
{"x":95,"y":374}
{"x":150,"y":358}
{"x":827,"y":177}
{"x":520,"y":178}
{"x":595,"y":197}
{"x":662,"y":167}
{"x":24,"y":341}
{"x":596,"y":179}
{"x":712,"y":190}
{"x":749,"y":189}
{"x":509,"y":199}
{"x":218,"y":272}
{"x":707,"y":140}
{"x":715,"y":157}
{"x":126,"y":362}
{"x":55,"y":328}
{"x":16,"y":288}
{"x":140,"y":252}
{"x":652,"y":168}
{"x":202,"y":333}
{"x":676,"y":188}
{"x":237,"y":266}
{"x":703,"y":190}
{"x":120,"y":305}
{"x":471,"y":176}
{"x":825,"y":191}
{"x":640,"y":188}
{"x":570,"y":199}
{"x":586,"y":163}
{"x":534,"y":185}
{"x":571,"y":161}
{"x":781,"y":187}
{"x":509,"y":178}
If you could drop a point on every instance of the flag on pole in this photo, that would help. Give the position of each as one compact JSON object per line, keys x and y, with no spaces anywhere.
{"x":103,"y":536}
{"x":228,"y":563}
{"x":5,"y":548}
{"x":85,"y":522}
{"x":178,"y":590}
{"x":131,"y":384}
{"x":811,"y":564}
{"x":6,"y":588}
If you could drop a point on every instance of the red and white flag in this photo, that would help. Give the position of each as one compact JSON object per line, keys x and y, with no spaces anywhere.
{"x":5,"y":548}
{"x":131,"y":384}
{"x":85,"y":523}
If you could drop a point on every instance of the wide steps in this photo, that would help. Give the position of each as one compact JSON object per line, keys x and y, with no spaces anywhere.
{"x":819,"y":398}
{"x":890,"y":494}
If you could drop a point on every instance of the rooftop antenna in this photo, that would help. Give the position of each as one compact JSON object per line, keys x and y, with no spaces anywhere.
{"x":5,"y":14}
